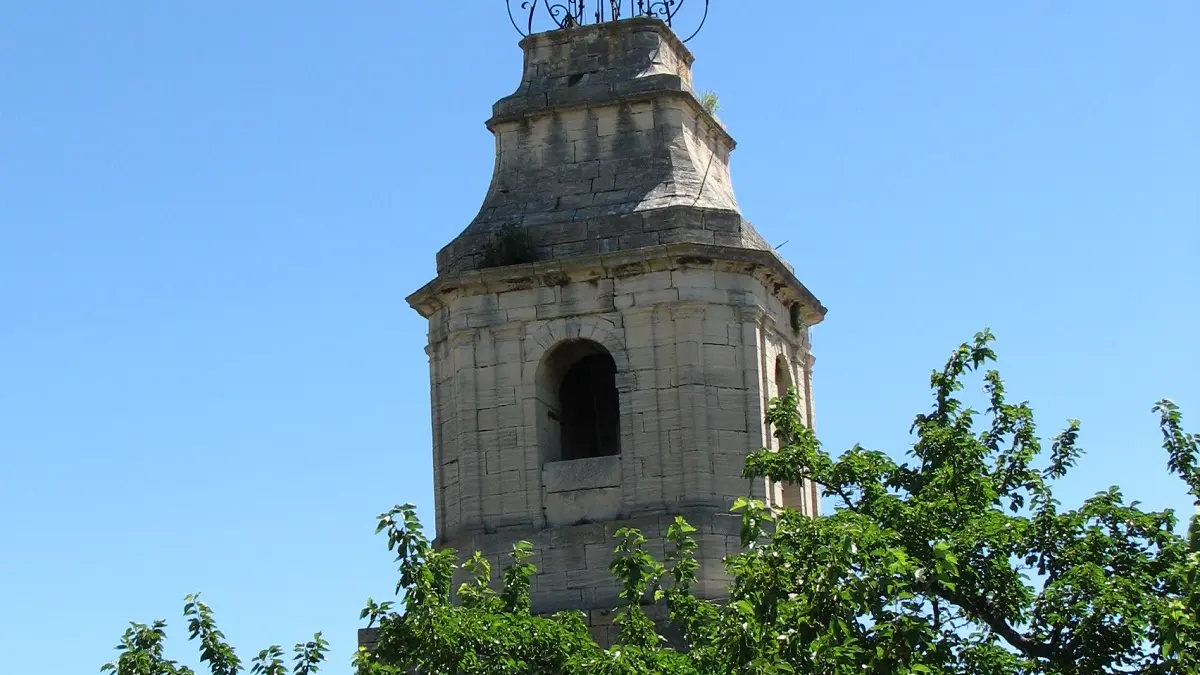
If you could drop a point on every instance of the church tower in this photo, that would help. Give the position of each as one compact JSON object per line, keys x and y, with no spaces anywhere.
{"x":605,"y":335}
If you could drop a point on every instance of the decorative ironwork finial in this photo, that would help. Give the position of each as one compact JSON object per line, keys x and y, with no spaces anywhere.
{"x":559,"y":14}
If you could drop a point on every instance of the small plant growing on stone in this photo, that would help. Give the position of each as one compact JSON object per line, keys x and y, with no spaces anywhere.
{"x":711,"y":102}
{"x":510,"y":245}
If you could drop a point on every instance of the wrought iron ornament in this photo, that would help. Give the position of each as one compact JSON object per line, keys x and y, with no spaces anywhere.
{"x":570,"y":13}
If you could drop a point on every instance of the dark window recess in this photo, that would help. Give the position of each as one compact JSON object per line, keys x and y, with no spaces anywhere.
{"x":590,"y":409}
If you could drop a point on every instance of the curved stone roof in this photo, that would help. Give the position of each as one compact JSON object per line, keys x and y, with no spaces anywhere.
{"x":604,"y":147}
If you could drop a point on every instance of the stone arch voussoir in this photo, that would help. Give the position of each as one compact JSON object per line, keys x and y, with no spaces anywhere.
{"x":546,"y":337}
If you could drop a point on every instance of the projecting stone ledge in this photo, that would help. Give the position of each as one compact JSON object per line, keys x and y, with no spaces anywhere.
{"x":594,"y":230}
{"x":763,"y":265}
{"x":368,"y":638}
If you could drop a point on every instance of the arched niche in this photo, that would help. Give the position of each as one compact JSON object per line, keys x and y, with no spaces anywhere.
{"x":783,"y":376}
{"x":793,"y":495}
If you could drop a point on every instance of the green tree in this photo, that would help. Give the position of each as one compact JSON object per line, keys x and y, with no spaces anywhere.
{"x":958,"y":560}
{"x":141,"y":649}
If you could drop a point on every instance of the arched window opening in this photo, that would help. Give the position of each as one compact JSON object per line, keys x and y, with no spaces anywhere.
{"x":590,"y":409}
{"x":783,"y":382}
{"x":792,"y":495}
{"x":783,"y":378}
{"x":578,"y":403}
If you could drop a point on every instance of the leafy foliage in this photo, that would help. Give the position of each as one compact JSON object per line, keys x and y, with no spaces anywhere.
{"x":958,"y":560}
{"x":141,"y":653}
{"x":141,"y":649}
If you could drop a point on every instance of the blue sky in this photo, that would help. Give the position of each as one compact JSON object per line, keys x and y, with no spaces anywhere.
{"x":211,"y":212}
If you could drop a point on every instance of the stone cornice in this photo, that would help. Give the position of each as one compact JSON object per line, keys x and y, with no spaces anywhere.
{"x":534,"y":100}
{"x":645,"y":89}
{"x":766,"y":266}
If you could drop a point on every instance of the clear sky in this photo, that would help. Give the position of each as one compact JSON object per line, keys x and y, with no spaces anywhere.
{"x":211,"y":213}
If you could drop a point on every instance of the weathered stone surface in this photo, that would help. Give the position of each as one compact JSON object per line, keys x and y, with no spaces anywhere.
{"x":582,"y":474}
{"x":701,"y":336}
{"x":621,"y":180}
{"x":581,"y":506}
{"x":573,"y":560}
{"x":604,"y":126}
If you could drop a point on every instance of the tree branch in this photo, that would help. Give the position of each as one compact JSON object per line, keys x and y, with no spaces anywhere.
{"x":998,"y":625}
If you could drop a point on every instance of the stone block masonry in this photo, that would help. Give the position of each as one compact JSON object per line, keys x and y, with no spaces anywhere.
{"x":604,"y":147}
{"x":573,"y":560}
{"x":695,"y":333}
{"x":616,"y":372}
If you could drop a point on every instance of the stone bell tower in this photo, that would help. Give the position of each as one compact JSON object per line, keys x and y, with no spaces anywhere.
{"x":604,"y":336}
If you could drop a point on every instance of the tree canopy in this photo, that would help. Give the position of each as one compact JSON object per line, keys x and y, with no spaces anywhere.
{"x":957,"y":560}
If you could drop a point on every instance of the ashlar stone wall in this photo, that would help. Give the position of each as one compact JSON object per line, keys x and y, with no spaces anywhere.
{"x":695,"y":338}
{"x":634,"y":258}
